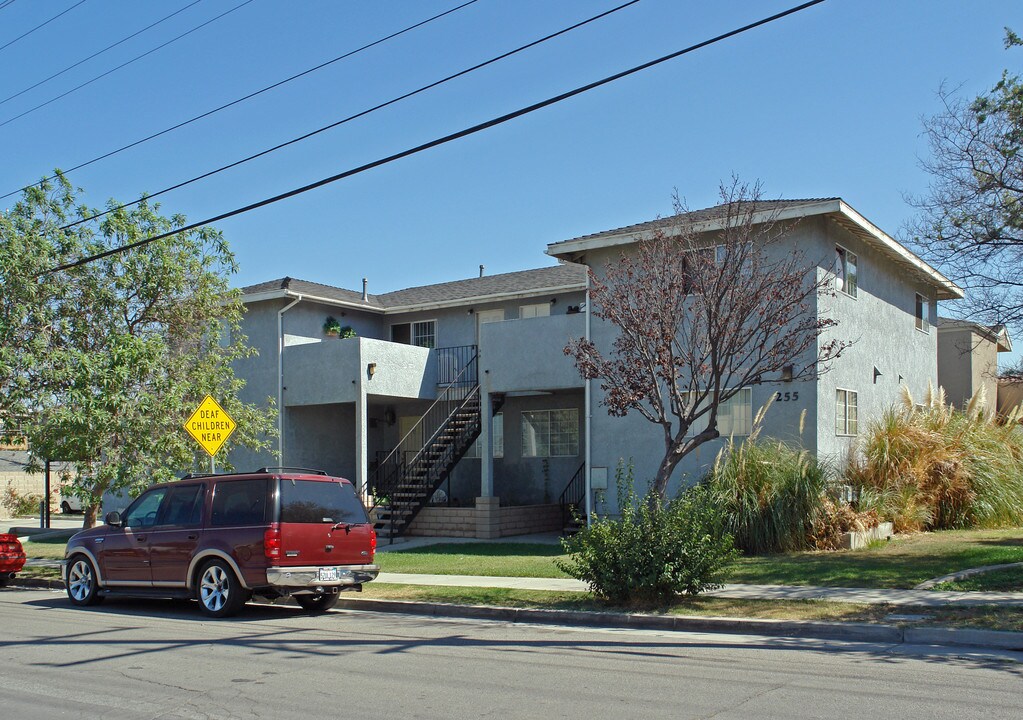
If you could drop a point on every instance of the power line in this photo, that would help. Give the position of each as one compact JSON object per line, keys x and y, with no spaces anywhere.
{"x":6,"y":3}
{"x":40,"y":25}
{"x":100,"y":52}
{"x":351,"y":117}
{"x":246,"y":97}
{"x":125,"y":64}
{"x":437,"y":142}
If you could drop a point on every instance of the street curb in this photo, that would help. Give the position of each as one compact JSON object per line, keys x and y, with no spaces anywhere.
{"x":855,"y":632}
{"x":19,"y":582}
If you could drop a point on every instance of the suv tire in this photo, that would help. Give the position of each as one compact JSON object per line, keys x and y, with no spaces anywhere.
{"x":219,"y":592}
{"x":82,"y":583}
{"x":319,"y":603}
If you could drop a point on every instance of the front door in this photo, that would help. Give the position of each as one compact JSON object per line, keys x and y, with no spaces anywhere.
{"x":125,"y":553}
{"x":173,"y":541}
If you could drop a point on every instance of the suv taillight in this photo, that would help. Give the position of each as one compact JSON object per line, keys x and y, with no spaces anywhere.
{"x":272,"y":542}
{"x":372,"y":543}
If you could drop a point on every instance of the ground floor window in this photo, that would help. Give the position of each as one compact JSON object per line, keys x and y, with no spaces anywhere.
{"x":550,"y":433}
{"x":735,"y":416}
{"x":846,"y":412}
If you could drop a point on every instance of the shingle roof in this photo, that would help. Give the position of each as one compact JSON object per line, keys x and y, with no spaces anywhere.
{"x":560,"y":276}
{"x":696,"y":216}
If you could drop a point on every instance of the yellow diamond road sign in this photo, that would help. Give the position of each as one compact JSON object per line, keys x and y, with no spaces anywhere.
{"x":210,"y":425}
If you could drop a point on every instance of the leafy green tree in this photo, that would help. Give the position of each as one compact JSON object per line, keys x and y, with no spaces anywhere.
{"x":114,"y":355}
{"x":971,"y":218}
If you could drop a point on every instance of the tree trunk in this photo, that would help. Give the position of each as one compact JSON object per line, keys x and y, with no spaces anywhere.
{"x":90,"y":516}
{"x":664,"y":471}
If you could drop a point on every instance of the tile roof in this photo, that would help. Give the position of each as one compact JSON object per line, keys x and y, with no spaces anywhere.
{"x":695,"y":216}
{"x":524,"y":281}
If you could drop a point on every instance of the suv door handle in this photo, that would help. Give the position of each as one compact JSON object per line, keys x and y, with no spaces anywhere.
{"x":140,"y":538}
{"x":193,"y":536}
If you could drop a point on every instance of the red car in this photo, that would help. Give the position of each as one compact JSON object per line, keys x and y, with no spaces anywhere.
{"x":222,"y":539}
{"x":12,"y":557}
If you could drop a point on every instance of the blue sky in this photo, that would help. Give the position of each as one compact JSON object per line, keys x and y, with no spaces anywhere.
{"x":827,"y":102}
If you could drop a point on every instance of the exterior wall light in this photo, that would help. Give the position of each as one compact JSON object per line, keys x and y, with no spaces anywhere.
{"x":371,"y":369}
{"x":786,"y":373}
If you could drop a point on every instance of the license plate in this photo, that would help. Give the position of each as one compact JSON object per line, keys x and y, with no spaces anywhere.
{"x":328,"y":574}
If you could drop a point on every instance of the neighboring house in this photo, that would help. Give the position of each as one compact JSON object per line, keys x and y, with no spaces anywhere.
{"x":968,"y":359}
{"x":1010,"y":395}
{"x":406,"y":407}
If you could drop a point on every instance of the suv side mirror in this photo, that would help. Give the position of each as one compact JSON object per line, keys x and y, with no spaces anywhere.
{"x":113,"y":519}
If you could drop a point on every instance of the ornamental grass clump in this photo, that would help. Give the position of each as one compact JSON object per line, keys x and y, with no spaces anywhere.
{"x":933,"y":467}
{"x":653,"y":552}
{"x":773,"y":496}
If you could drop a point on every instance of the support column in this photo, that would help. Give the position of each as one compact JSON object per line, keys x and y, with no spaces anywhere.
{"x":361,"y":438}
{"x":488,"y":518}
{"x":486,"y":439}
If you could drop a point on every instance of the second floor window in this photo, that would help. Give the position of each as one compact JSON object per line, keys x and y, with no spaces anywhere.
{"x":922,"y":323}
{"x":734,"y":417}
{"x":532,"y":311}
{"x":424,"y":334}
{"x":845,"y":270}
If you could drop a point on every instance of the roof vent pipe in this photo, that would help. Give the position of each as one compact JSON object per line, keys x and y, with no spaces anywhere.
{"x":365,"y":285}
{"x":482,"y":268}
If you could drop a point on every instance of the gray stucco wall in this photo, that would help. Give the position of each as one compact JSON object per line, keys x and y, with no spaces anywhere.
{"x":967,"y":362}
{"x":529,"y":354}
{"x":322,"y":437}
{"x":881,"y":323}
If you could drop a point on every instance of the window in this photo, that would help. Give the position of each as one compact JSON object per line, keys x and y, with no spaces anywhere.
{"x":142,"y":513}
{"x":239,"y":502}
{"x":846,"y":412}
{"x":845,"y":269}
{"x":317,"y":501}
{"x":550,"y":433}
{"x":533,"y":311}
{"x":424,"y":334}
{"x":735,"y":416}
{"x":922,"y":322}
{"x":183,"y":506}
{"x":496,"y":439}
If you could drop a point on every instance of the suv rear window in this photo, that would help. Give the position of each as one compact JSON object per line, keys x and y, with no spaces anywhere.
{"x":317,"y":501}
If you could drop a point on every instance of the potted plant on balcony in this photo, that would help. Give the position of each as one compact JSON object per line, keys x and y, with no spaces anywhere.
{"x":332,"y":327}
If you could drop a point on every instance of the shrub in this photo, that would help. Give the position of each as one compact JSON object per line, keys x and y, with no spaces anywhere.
{"x":772,"y":497}
{"x":935,"y":467}
{"x":653,"y":551}
{"x":19,"y":505}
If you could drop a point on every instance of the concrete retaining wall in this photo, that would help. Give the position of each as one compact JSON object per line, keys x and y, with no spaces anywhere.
{"x":496,"y":522}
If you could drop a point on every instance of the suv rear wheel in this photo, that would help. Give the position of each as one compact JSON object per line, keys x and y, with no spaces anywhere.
{"x":220,"y":593}
{"x":82,"y":588}
{"x":319,"y":603}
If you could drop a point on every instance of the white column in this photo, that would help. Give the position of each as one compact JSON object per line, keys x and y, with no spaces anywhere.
{"x":486,"y":443}
{"x":361,"y":437}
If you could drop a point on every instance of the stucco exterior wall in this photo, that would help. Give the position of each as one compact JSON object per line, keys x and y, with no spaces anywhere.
{"x":881,"y":323}
{"x":529,"y":354}
{"x":955,"y":364}
{"x":322,"y":437}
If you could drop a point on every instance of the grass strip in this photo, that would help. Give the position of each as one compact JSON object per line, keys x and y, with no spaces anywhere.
{"x":985,"y":617}
{"x":1007,"y":580}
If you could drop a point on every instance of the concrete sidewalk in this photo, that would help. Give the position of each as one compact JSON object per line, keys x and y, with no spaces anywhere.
{"x":863,"y":596}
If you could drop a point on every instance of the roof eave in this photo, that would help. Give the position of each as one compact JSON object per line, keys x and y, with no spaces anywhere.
{"x":283,"y":294}
{"x":494,"y":297}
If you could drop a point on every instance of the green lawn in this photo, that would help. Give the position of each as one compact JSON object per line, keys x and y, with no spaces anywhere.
{"x":1008,"y":580}
{"x":904,"y":562}
{"x":482,"y":558}
{"x":52,"y":548}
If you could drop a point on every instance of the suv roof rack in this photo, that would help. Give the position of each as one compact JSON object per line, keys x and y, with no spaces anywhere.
{"x":285,"y":468}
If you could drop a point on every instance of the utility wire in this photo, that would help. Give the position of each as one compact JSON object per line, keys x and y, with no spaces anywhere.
{"x":350,"y":117}
{"x":125,"y":64}
{"x":433,"y":143}
{"x":40,"y":25}
{"x":6,"y":3}
{"x":246,"y":97}
{"x":100,"y":52}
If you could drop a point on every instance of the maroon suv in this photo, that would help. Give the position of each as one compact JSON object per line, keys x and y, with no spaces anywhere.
{"x":223,"y":538}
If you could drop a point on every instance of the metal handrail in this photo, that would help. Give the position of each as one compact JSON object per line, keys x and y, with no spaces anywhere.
{"x":456,"y":385}
{"x":573,"y":494}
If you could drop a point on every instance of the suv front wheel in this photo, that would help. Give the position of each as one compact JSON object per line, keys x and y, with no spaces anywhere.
{"x":82,"y":588}
{"x":220,"y":594}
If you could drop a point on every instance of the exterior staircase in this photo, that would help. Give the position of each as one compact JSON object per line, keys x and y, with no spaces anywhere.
{"x":405,"y":480}
{"x":573,"y":507}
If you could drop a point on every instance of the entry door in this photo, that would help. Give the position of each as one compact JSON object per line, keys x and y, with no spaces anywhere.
{"x":487,"y":316}
{"x":411,"y":445}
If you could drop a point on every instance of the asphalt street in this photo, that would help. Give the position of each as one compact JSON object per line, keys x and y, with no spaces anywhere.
{"x":161,"y":659}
